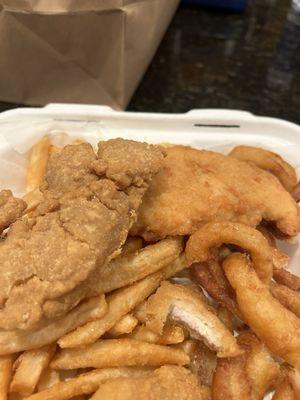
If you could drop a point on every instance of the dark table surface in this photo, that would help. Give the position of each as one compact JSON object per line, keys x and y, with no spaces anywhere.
{"x":210,"y":59}
{"x":248,"y":61}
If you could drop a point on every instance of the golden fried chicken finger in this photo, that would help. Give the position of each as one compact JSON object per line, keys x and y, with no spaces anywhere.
{"x":185,"y":306}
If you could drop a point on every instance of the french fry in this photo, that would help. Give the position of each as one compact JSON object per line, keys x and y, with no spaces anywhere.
{"x":120,"y":303}
{"x":284,"y":277}
{"x":86,"y":383}
{"x":172,"y":334}
{"x":131,"y":245}
{"x":38,"y":159}
{"x":32,"y":199}
{"x":262,"y":370}
{"x":287,"y":297}
{"x":226,"y":317}
{"x":203,"y":361}
{"x":202,"y":274}
{"x":118,"y":353}
{"x":30,"y":368}
{"x":125,"y":270}
{"x":230,"y":380}
{"x":6,"y":366}
{"x":49,"y":378}
{"x":15,"y":341}
{"x":124,"y":326}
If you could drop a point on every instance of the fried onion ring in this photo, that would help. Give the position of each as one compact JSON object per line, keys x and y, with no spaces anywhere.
{"x":276,"y":326}
{"x":214,"y":234}
{"x":268,"y":161}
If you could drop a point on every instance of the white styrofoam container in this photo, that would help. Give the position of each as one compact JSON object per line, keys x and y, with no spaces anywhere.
{"x":217,"y":130}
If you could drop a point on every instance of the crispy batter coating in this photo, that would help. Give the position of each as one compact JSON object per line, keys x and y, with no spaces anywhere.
{"x":186,"y":306}
{"x":268,"y":161}
{"x":10,"y":209}
{"x":196,"y":186}
{"x":276,"y":326}
{"x":47,"y":262}
{"x":214,"y":234}
{"x":166,"y":383}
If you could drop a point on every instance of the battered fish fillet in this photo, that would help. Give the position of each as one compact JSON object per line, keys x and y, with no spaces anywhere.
{"x":47,"y":262}
{"x":165,"y":383}
{"x":196,"y":186}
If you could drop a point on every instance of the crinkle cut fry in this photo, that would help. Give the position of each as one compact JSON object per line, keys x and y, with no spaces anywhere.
{"x":276,"y":326}
{"x":214,"y":234}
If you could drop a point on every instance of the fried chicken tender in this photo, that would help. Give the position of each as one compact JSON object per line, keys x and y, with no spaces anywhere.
{"x":276,"y":326}
{"x":186,"y":306}
{"x":165,"y":383}
{"x":268,"y":161}
{"x":49,"y":262}
{"x":10,"y":209}
{"x":195,"y":187}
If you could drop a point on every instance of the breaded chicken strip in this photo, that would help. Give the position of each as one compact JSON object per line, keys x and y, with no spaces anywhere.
{"x":10,"y":209}
{"x":196,"y":186}
{"x":165,"y":383}
{"x":46,"y":262}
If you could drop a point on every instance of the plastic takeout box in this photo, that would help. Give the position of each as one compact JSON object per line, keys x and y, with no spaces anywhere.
{"x":217,"y":130}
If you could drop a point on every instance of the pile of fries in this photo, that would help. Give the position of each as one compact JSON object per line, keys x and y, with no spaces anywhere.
{"x":233,"y":320}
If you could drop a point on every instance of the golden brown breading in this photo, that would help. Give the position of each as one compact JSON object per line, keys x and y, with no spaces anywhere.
{"x":10,"y":209}
{"x":165,"y":383}
{"x":268,"y":161}
{"x":195,"y":187}
{"x":81,"y":224}
{"x":186,"y":306}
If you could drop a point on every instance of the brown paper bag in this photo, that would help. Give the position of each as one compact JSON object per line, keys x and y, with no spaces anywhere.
{"x":78,"y":51}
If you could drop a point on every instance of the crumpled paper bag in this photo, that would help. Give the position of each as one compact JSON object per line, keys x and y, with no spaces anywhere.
{"x":78,"y":51}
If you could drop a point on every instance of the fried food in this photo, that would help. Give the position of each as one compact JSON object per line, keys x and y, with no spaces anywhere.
{"x":15,"y":341}
{"x":276,"y":326}
{"x":202,"y":274}
{"x":125,"y":325}
{"x":165,"y":383}
{"x":10,"y":209}
{"x":268,"y":161}
{"x":38,"y":158}
{"x":284,"y":391}
{"x":203,"y":361}
{"x":230,"y":380}
{"x":49,"y":378}
{"x":127,"y":269}
{"x":184,"y":305}
{"x":88,"y":208}
{"x":286,"y":278}
{"x":287,"y":297}
{"x":30,"y":367}
{"x":33,"y":199}
{"x":195,"y":187}
{"x":86,"y":383}
{"x":262,"y":370}
{"x":172,"y":334}
{"x":214,"y":234}
{"x":120,"y":303}
{"x":118,"y":353}
{"x":6,"y":367}
{"x":226,"y":317}
{"x":132,"y":245}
